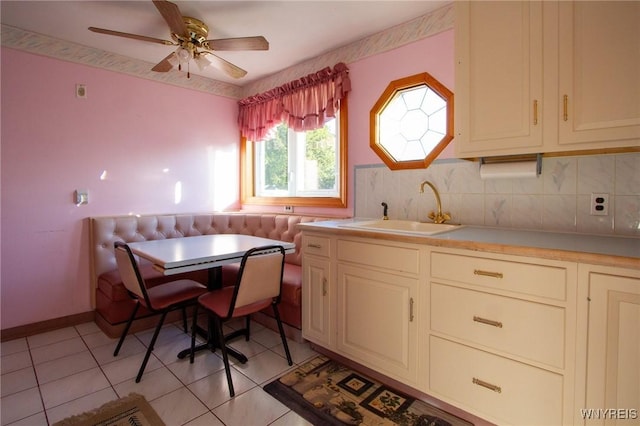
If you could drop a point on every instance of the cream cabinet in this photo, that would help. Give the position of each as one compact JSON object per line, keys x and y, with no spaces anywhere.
{"x":613,"y":345}
{"x":318,"y":291}
{"x":502,"y":335}
{"x":377,"y":309}
{"x":546,"y":76}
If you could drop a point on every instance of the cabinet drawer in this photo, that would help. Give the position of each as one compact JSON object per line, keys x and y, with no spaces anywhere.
{"x":531,"y":330}
{"x":507,"y":390}
{"x":518,"y":277}
{"x":394,"y":258}
{"x":320,"y":246}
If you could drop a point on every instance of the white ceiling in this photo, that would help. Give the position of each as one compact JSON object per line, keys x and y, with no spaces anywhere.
{"x":296,"y":30}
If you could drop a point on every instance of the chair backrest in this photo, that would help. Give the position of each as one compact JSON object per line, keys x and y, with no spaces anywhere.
{"x":260,"y":276}
{"x":129,"y":272}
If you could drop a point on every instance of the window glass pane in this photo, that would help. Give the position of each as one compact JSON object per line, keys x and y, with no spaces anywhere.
{"x":298,"y":164}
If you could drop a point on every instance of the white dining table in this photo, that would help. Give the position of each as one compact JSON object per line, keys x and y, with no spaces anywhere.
{"x":176,"y":255}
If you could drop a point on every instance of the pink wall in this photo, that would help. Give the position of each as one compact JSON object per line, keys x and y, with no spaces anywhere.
{"x":128,"y":128}
{"x":134,"y":129}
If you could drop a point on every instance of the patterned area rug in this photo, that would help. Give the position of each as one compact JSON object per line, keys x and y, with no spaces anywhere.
{"x":325,"y":392}
{"x":132,"y":410}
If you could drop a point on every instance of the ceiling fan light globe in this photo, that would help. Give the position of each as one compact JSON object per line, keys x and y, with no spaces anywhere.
{"x":202,"y":62}
{"x":183,"y":55}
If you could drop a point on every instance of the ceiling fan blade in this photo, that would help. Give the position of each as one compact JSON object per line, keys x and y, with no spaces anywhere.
{"x":129,"y":35}
{"x":226,"y":66}
{"x":164,"y":65}
{"x":171,"y":13}
{"x":239,"y":43}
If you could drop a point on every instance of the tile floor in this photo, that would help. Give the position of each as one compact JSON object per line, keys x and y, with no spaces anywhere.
{"x":53,"y":375}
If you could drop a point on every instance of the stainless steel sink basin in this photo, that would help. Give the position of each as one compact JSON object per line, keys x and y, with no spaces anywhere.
{"x":402,"y":226}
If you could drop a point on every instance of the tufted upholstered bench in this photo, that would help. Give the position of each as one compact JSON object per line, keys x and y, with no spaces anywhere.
{"x":112,"y":302}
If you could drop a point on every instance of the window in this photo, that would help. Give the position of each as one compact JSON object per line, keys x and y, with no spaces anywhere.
{"x":297,"y":168}
{"x":412,"y":122}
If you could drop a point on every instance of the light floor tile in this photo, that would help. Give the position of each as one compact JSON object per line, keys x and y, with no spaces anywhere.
{"x":263,"y":367}
{"x":88,"y":328}
{"x":249,"y":349}
{"x":18,"y":380}
{"x":62,"y":367}
{"x":266,"y":337}
{"x":291,"y":419}
{"x":72,"y":387}
{"x":80,"y":405}
{"x":152,"y":385}
{"x":168,"y":333}
{"x":178,"y":407}
{"x":13,"y":346}
{"x":213,"y":390}
{"x":167,"y":352}
{"x":15,"y":361}
{"x":93,"y":340}
{"x":127,"y":368}
{"x":55,"y":336}
{"x":254,"y":407}
{"x":20,"y":405}
{"x":38,"y":419}
{"x":131,"y":346}
{"x":204,"y":364}
{"x":207,"y":419}
{"x":300,"y":352}
{"x":58,"y":350}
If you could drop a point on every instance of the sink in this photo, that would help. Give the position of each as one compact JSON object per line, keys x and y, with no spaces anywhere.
{"x":402,"y":226}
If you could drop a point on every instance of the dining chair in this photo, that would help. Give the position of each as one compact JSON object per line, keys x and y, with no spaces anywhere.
{"x":259,"y":285}
{"x":160,"y":299}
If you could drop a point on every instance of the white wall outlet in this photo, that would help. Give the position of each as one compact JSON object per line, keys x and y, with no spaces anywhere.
{"x":599,"y":204}
{"x":288,"y":209}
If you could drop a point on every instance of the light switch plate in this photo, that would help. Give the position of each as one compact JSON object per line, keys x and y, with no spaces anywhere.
{"x":81,"y":197}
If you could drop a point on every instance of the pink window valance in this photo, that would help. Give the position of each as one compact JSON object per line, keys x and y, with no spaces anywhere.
{"x":304,"y":104}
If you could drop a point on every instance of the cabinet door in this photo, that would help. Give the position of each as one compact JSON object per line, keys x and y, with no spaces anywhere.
{"x":377,"y":320}
{"x":498,"y":77}
{"x":613,"y":361}
{"x":599,"y":74}
{"x":317,"y":300}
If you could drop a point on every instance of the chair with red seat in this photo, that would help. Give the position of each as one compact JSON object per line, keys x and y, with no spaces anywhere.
{"x":160,"y":299}
{"x":258,"y":286}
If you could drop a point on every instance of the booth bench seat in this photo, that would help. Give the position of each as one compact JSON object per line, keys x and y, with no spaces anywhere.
{"x":113,"y":304}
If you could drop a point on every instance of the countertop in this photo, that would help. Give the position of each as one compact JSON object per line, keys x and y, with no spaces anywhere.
{"x":605,"y":250}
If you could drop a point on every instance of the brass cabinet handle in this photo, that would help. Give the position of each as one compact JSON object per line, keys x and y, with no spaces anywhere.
{"x":487,"y":273}
{"x":484,"y":384}
{"x":565,"y":107}
{"x":487,"y":321}
{"x":411,"y":309}
{"x":315,"y":246}
{"x":324,"y":286}
{"x":535,"y":112}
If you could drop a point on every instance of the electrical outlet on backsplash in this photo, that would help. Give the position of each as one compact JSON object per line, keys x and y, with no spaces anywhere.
{"x":557,"y":200}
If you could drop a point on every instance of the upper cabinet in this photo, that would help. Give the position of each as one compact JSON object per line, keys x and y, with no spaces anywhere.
{"x":546,"y":77}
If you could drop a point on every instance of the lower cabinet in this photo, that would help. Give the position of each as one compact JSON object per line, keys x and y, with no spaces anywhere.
{"x":512,"y":339}
{"x":377,"y":320}
{"x":613,"y":346}
{"x":501,"y":337}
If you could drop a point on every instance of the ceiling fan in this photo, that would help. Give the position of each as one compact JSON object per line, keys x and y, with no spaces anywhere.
{"x":190,"y":35}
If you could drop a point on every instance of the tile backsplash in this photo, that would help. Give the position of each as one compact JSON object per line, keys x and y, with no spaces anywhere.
{"x":557,"y":200}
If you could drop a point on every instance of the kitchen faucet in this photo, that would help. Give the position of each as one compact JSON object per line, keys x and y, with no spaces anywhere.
{"x":437,"y":217}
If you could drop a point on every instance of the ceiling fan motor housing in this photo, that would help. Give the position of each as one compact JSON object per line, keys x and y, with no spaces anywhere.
{"x":196,"y":29}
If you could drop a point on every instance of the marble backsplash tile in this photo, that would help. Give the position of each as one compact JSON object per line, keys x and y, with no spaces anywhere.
{"x":557,"y":200}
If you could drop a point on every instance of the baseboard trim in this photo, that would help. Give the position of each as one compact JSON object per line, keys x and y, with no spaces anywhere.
{"x":44,"y":326}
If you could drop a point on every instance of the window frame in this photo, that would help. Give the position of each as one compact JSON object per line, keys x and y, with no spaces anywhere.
{"x":247,"y":177}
